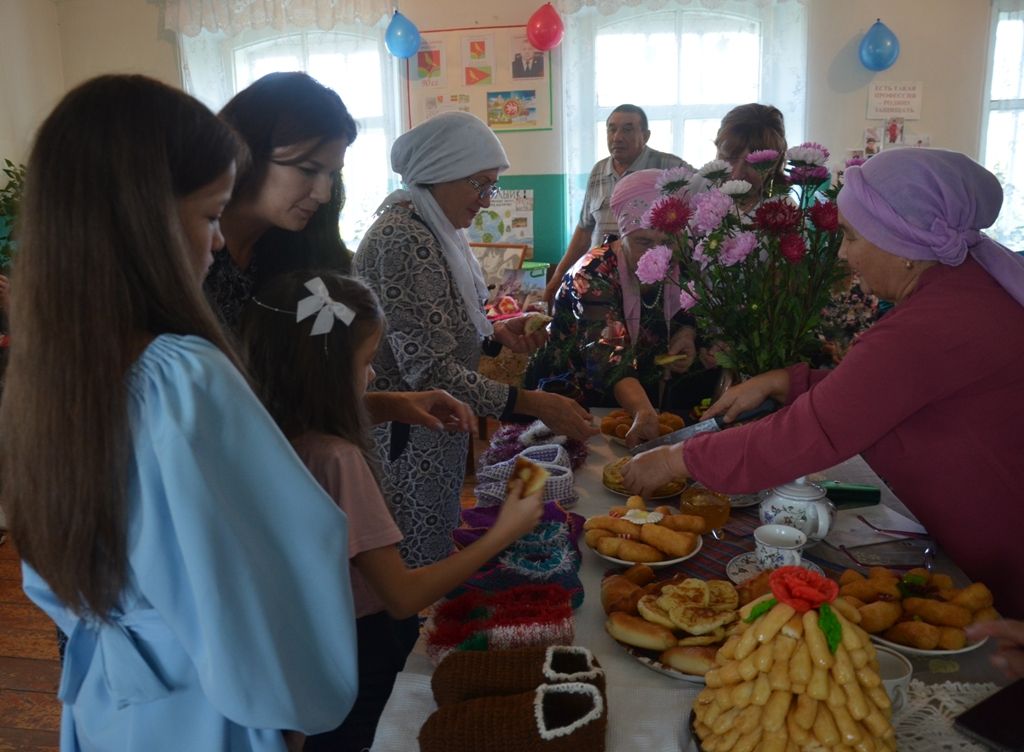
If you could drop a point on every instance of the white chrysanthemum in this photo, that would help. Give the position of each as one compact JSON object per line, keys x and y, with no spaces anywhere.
{"x":673,"y":179}
{"x":735,"y":187}
{"x":806,"y":155}
{"x":716,"y":167}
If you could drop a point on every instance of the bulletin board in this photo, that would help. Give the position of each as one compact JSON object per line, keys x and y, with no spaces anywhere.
{"x":492,"y":72}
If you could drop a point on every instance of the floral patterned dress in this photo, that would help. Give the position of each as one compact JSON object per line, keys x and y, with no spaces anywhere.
{"x":429,"y":343}
{"x":589,"y":349}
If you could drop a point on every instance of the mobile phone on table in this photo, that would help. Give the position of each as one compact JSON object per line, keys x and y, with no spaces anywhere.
{"x":996,"y":721}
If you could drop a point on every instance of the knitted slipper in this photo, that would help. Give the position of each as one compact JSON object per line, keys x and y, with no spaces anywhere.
{"x":467,"y":675}
{"x":567,"y":717}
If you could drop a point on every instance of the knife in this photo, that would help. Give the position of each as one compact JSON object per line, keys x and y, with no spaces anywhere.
{"x":706,"y":426}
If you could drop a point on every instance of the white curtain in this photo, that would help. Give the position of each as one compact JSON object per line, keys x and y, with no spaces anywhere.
{"x":190,"y":17}
{"x":686,"y":62}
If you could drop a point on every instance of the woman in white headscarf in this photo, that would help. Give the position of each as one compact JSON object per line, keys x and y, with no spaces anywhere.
{"x":417,"y":259}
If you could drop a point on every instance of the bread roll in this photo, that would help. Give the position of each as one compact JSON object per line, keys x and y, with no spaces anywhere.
{"x":639,"y":574}
{"x":637,"y":632}
{"x":531,"y":474}
{"x":619,"y":594}
{"x":690,"y":660}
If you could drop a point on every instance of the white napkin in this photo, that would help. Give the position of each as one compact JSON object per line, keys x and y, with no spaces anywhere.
{"x":639,"y":718}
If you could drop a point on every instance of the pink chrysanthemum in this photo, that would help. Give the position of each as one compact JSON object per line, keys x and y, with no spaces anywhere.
{"x":709,"y":209}
{"x":808,"y":175}
{"x":809,"y":152}
{"x":688,"y":297}
{"x":855,"y":161}
{"x":736,"y":249}
{"x":765,"y":158}
{"x":699,"y":256}
{"x":653,"y":265}
{"x":793,"y":248}
{"x":668,"y":214}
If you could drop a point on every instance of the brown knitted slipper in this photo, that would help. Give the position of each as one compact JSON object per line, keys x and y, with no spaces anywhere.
{"x":465,"y":675}
{"x":569,"y":717}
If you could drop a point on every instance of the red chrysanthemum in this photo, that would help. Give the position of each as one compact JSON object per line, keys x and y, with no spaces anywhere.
{"x":801,"y":588}
{"x":825,"y":215}
{"x":668,"y":214}
{"x":777,"y":216}
{"x":793,"y":248}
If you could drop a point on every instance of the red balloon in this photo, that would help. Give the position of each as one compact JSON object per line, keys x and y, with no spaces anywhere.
{"x":545,"y":28}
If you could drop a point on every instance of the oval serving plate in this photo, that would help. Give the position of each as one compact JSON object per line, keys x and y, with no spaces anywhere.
{"x":918,"y":653}
{"x":652,"y":564}
{"x":649,"y":659}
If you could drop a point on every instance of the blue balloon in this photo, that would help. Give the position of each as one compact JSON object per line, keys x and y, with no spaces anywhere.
{"x":879,"y":48}
{"x":402,"y":37}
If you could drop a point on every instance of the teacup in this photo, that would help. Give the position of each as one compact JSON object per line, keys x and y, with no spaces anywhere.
{"x":895,"y":670}
{"x":778,"y":546}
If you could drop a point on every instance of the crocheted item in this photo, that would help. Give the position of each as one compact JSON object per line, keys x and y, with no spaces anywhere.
{"x":559,"y":486}
{"x":569,"y":717}
{"x":507,"y":443}
{"x":925,"y":723}
{"x":466,"y":675}
{"x":544,"y":454}
{"x":523,"y":616}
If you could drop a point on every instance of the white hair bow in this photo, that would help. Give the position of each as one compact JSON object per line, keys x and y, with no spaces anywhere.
{"x":326,"y":310}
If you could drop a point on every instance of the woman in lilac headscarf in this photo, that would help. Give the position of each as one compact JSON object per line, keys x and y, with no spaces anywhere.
{"x":608,"y":328}
{"x":932,"y":395}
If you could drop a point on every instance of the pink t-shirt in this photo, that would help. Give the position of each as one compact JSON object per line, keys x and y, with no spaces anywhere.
{"x":340,"y":468}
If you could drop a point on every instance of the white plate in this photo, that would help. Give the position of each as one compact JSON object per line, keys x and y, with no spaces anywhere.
{"x":741,"y":568}
{"x":907,"y":650}
{"x":627,"y":494}
{"x":742,"y":501}
{"x":653,"y":564}
{"x":614,"y":439}
{"x":645,"y":658}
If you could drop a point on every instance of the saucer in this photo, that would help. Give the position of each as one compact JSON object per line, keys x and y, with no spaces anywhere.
{"x":743,"y":567}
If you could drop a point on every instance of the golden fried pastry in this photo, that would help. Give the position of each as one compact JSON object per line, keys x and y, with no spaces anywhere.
{"x":700,"y":620}
{"x":684,"y":523}
{"x":638,"y":632}
{"x":671,"y":420}
{"x":754,"y":587}
{"x":872,"y":589}
{"x":711,"y":638}
{"x":974,"y":597}
{"x":614,"y":524}
{"x":937,"y":612}
{"x":951,"y":638}
{"x":639,"y":574}
{"x":984,"y":614}
{"x":850,"y":575}
{"x":628,"y":550}
{"x":722,"y":596}
{"x":649,"y":609}
{"x":608,"y":424}
{"x":531,"y":474}
{"x":621,"y":430}
{"x":877,"y":617}
{"x":689,"y":592}
{"x":636,"y":502}
{"x":591,"y":537}
{"x":916,"y":634}
{"x":941,"y":581}
{"x":690,"y":659}
{"x":611,"y":475}
{"x":674,"y":544}
{"x":619,"y":594}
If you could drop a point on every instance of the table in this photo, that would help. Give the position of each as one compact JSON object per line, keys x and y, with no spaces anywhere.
{"x":630,"y":684}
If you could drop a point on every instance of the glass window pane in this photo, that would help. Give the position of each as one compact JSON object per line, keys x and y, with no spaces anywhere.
{"x":723,"y":66}
{"x":661,"y":135}
{"x":1004,"y":156}
{"x":620,"y":56}
{"x":367,"y":167}
{"x":699,"y":140}
{"x":1008,"y":58}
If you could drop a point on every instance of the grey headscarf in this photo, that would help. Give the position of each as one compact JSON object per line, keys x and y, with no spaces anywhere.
{"x":449,"y":146}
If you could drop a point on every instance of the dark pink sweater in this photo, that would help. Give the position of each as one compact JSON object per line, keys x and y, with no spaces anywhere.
{"x":933,"y":398}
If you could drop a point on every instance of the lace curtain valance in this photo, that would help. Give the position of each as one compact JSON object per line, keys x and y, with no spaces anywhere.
{"x":190,"y":17}
{"x":607,"y":7}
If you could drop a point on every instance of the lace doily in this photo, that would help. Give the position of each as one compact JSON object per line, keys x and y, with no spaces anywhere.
{"x":925,"y":724}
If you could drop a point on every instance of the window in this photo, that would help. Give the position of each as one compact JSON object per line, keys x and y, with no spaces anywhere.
{"x":686,"y":67}
{"x":354,"y":63}
{"x":1003,"y":131}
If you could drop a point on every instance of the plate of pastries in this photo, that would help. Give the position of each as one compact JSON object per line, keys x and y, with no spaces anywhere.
{"x":611,"y":477}
{"x":616,"y":424}
{"x":673,"y":626}
{"x":919,"y":613}
{"x":630,"y":535}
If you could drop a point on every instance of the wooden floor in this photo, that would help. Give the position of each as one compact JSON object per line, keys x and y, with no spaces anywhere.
{"x":29,"y":666}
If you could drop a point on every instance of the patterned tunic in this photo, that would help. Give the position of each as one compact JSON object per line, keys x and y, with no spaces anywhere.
{"x":429,"y":343}
{"x":589,"y":346}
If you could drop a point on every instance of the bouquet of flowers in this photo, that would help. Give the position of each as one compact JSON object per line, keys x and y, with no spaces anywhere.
{"x":757,"y":281}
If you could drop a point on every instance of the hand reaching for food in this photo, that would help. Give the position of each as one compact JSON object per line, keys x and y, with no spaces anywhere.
{"x":652,"y":469}
{"x":523,"y":334}
{"x":1009,"y":636}
{"x":644,"y":428}
{"x":682,"y":347}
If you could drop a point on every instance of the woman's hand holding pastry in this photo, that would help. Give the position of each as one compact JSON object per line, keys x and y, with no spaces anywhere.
{"x":519,"y":514}
{"x":562,"y":415}
{"x":645,"y":427}
{"x":651,"y":470}
{"x":519,"y":334}
{"x":749,"y":394}
{"x":683,"y":342}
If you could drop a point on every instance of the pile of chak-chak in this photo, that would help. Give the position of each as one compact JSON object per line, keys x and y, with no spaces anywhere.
{"x":797,"y":674}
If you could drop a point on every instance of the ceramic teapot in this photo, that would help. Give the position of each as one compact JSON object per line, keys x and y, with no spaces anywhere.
{"x":802,"y":505}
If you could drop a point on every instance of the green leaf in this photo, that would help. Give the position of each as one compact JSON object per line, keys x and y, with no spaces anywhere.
{"x":760,"y":610}
{"x":830,"y":626}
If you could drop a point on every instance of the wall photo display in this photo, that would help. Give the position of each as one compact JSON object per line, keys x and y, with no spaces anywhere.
{"x":494,"y":73}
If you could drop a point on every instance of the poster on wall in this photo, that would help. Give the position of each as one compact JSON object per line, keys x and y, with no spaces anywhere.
{"x":494,"y":73}
{"x":509,"y":219}
{"x":900,"y":99}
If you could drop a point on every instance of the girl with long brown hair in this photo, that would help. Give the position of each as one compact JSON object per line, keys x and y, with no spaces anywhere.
{"x":143,"y":481}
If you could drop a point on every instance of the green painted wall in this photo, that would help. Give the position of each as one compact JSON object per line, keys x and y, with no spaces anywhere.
{"x":551,"y":226}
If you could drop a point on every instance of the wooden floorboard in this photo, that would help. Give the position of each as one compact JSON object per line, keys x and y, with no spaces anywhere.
{"x":28,"y":740}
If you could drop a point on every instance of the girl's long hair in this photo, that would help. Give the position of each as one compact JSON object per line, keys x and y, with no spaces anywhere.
{"x":307,"y":382}
{"x":102,"y":266}
{"x":752,"y":127}
{"x":279,"y":110}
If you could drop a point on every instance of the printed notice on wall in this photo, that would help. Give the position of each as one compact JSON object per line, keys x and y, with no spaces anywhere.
{"x":895,"y":99}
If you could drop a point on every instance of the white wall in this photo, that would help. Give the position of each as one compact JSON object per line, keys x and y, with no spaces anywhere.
{"x":45,"y":48}
{"x":31,"y":78}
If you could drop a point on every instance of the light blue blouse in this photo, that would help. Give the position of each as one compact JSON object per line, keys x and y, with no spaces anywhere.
{"x":238,"y":618}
